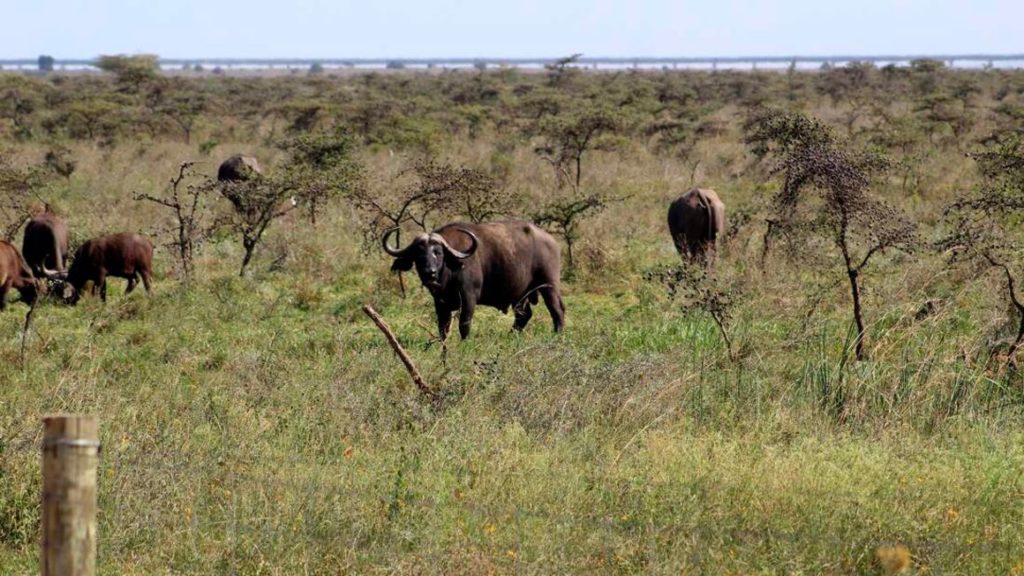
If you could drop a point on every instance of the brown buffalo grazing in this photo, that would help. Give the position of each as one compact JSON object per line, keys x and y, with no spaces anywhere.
{"x":15,"y":273}
{"x":499,"y":264}
{"x":696,"y":220}
{"x":45,"y":245}
{"x":237,"y":168}
{"x":120,"y":255}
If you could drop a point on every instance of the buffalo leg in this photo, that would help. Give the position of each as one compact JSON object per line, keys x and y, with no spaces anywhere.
{"x":523,"y":315}
{"x":3,"y":295}
{"x":466,"y":317}
{"x":131,"y":285}
{"x":101,"y":284}
{"x":695,"y":250}
{"x":147,"y":280}
{"x":553,"y":300}
{"x":444,"y":319}
{"x":708,"y":252}
{"x":680,"y":241}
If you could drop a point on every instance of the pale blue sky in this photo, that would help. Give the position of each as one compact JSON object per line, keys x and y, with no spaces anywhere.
{"x":529,"y":28}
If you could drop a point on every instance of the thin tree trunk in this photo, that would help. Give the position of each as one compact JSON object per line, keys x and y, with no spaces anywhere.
{"x":250,"y":247}
{"x":1011,"y":287}
{"x":767,"y":243}
{"x":853,"y":274}
{"x":858,"y":313}
{"x":1019,"y":306}
{"x":1012,"y":353}
{"x":725,"y":335}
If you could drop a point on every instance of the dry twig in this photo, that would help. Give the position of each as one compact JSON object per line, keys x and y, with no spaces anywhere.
{"x":402,"y":355}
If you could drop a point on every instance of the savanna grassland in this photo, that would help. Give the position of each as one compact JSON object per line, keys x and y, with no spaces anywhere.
{"x":260,"y":424}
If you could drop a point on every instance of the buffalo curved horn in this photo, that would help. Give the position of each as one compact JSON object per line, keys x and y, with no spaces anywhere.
{"x":53,"y":274}
{"x":456,"y":253}
{"x":394,"y":252}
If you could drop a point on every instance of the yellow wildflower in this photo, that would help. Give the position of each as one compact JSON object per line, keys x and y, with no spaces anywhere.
{"x":893,"y":559}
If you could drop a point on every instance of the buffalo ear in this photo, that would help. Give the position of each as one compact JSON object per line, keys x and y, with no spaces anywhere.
{"x":401,"y":265}
{"x":453,"y":262}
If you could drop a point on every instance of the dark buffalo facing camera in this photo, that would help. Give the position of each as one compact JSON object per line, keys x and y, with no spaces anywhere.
{"x":499,"y":264}
{"x":127,"y":256}
{"x":15,"y":273}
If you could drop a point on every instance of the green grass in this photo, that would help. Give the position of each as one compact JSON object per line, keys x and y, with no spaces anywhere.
{"x":251,"y":428}
{"x":264,"y":426}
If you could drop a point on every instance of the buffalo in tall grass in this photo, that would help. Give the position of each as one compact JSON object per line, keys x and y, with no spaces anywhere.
{"x":505,"y":265}
{"x":696,"y":220}
{"x":45,"y":245}
{"x":15,"y":273}
{"x":127,"y":256}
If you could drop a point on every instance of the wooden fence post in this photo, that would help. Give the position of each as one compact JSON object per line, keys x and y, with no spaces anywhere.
{"x":70,"y":455}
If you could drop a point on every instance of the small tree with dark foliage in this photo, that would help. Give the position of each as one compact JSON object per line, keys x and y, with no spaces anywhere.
{"x":824,"y":194}
{"x":436,"y":189}
{"x":18,"y":195}
{"x":58,"y":161}
{"x":322,"y":167}
{"x":565,"y":215}
{"x":45,"y":63}
{"x":458,"y":192}
{"x":189,"y":203}
{"x":566,"y":138}
{"x":699,"y":288}
{"x":183,"y":109}
{"x":256,"y":203}
{"x":562,"y":70}
{"x":131,"y":72}
{"x":986,"y":228}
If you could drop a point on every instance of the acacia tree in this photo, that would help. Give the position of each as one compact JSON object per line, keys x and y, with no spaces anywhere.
{"x":825,"y":194}
{"x":562,"y":70}
{"x":699,"y":288}
{"x":566,"y":138}
{"x":18,"y":187}
{"x":17,"y":103}
{"x":256,"y":203}
{"x":321,"y":168}
{"x":183,"y":109}
{"x":457,"y":192}
{"x":566,"y":215}
{"x":437,"y":189}
{"x":986,"y":227}
{"x":189,"y":203}
{"x":58,"y":161}
{"x":132,"y":73}
{"x":852,"y":85}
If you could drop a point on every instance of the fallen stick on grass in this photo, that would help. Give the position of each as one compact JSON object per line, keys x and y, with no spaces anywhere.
{"x":409,"y":366}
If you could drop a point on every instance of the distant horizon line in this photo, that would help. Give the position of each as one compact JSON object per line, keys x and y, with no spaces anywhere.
{"x":962,"y":61}
{"x":845,"y":57}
